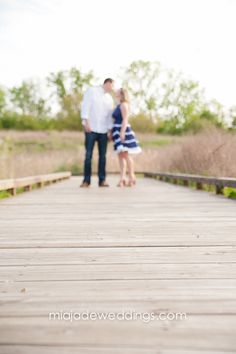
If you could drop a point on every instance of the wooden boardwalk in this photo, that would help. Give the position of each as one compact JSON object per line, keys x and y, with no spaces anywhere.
{"x":156,"y":248}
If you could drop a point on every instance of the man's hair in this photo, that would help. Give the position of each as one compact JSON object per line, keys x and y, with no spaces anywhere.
{"x":108,"y":80}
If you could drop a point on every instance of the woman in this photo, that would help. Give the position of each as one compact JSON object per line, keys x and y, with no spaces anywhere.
{"x":124,"y":139}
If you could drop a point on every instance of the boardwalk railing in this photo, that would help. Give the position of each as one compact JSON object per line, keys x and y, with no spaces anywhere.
{"x":27,"y":183}
{"x":199,"y":181}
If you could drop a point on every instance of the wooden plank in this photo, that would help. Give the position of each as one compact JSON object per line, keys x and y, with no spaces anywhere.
{"x":136,"y":333}
{"x":8,"y":184}
{"x":83,"y":239}
{"x":118,"y":271}
{"x":117,"y":241}
{"x":122,"y":289}
{"x":114,"y":255}
{"x":156,"y":247}
{"x":195,"y":302}
{"x":45,"y":349}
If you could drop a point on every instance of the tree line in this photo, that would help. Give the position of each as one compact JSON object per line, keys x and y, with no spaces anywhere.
{"x":163,"y":101}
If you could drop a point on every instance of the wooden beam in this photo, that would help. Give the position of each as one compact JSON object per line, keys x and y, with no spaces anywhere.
{"x":218,"y":182}
{"x":11,"y":185}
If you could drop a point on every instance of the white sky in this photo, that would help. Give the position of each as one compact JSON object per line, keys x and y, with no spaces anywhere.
{"x":195,"y":36}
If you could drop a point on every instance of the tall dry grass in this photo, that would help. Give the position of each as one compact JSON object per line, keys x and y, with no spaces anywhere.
{"x":29,"y":153}
{"x":211,"y":152}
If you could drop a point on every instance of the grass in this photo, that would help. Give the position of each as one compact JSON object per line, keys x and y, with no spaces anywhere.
{"x":4,"y":194}
{"x":75,"y":169}
{"x":230,"y":192}
{"x":210,"y":153}
{"x":157,"y":142}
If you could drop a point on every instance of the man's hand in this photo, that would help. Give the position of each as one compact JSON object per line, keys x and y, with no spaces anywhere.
{"x":87,"y":127}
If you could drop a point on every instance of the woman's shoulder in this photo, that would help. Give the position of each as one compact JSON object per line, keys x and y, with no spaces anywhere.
{"x":124,"y":107}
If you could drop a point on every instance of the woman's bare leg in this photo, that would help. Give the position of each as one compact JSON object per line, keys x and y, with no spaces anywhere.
{"x":122,"y":163}
{"x":130,"y":164}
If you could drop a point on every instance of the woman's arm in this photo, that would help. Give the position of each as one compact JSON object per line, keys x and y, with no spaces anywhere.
{"x":125,"y":116}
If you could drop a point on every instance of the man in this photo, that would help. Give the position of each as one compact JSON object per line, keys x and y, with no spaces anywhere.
{"x":96,"y":114}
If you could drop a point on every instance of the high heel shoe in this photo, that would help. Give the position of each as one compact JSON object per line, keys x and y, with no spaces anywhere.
{"x":132,"y":182}
{"x":122,"y":183}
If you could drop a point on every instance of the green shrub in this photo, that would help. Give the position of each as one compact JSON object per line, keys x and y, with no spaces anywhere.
{"x":194,"y":124}
{"x":170,"y":126}
{"x":12,"y":120}
{"x":230,"y":192}
{"x":143,"y":124}
{"x":71,"y":122}
{"x":8,"y":120}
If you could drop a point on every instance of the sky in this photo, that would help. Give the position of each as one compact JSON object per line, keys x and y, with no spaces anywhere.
{"x":194,"y":36}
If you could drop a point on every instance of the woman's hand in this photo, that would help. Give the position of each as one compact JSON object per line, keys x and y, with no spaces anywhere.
{"x":122,"y":136}
{"x":109,"y":135}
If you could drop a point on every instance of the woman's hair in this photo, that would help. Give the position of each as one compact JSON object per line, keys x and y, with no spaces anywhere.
{"x":124,"y":95}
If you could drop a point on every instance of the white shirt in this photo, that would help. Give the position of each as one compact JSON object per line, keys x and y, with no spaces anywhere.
{"x":97,"y":107}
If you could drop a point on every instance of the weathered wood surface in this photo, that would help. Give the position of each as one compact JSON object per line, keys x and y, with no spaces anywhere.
{"x":218,"y":182}
{"x":27,"y":183}
{"x":153,"y":248}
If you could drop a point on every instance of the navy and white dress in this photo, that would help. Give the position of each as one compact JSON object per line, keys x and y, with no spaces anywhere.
{"x":131,"y":143}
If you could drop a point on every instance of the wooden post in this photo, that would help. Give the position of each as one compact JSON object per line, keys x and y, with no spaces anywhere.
{"x":199,"y":185}
{"x":12,"y":191}
{"x":28,"y":188}
{"x":185,"y":183}
{"x":219,"y":189}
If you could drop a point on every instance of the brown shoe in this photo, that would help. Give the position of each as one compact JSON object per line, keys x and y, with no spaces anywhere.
{"x":104,"y":184}
{"x":84,"y":185}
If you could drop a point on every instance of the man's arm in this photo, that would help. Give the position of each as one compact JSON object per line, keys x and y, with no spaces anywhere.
{"x":110,"y":120}
{"x":85,"y":110}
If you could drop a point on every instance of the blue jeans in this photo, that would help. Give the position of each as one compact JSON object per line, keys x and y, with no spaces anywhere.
{"x":90,"y":139}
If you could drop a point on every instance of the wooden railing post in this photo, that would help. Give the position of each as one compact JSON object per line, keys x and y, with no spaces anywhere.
{"x":28,"y":188}
{"x":218,"y":182}
{"x":199,"y":186}
{"x":12,"y":191}
{"x":219,"y":189}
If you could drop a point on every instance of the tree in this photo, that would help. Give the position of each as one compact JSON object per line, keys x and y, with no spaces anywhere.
{"x":79,"y":80}
{"x":21,"y":97}
{"x":25,"y":100}
{"x":141,"y":80}
{"x":58,"y":82}
{"x":2,"y":100}
{"x":167,"y":95}
{"x":232,"y":116}
{"x":69,"y":82}
{"x":156,"y":90}
{"x":68,"y":86}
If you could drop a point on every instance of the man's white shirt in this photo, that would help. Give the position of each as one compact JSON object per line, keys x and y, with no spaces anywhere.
{"x":97,"y":107}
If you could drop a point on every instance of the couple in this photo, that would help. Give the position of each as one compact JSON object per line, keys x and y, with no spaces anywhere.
{"x":102,"y":123}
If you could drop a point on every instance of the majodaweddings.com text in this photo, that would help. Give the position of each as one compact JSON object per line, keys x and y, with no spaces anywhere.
{"x":120,"y":316}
